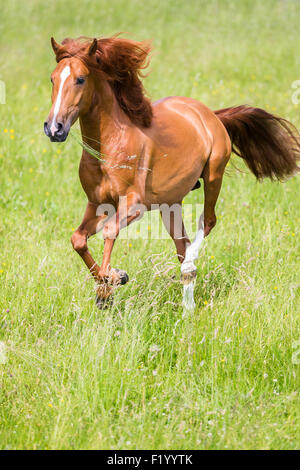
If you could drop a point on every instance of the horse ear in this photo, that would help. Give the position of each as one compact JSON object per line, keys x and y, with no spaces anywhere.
{"x":93,"y":47}
{"x":55,"y":46}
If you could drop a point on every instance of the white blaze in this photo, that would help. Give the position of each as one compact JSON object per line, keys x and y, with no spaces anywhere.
{"x":63,"y":76}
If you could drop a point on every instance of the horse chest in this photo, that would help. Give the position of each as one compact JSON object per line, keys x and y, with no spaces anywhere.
{"x":99,"y":191}
{"x":100,"y":188}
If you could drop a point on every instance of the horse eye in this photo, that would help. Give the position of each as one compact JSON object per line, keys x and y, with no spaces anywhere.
{"x":80,"y":81}
{"x":51,"y":80}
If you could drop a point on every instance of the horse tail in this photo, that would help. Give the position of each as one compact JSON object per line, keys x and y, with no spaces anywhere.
{"x":269,"y":144}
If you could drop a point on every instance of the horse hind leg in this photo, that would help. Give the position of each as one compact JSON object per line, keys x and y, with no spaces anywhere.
{"x":188,"y":268}
{"x":174,"y":225}
{"x":212,"y":176}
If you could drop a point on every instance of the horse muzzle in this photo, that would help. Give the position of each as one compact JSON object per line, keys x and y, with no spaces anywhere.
{"x":57,"y":133}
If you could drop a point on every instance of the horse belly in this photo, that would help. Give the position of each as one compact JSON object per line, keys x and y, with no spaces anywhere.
{"x":176,"y":169}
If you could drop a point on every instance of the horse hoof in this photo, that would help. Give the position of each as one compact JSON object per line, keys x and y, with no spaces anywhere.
{"x":122,"y":275}
{"x":103,"y":304}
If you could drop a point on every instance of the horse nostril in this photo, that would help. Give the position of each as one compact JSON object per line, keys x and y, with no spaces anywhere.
{"x":59,"y":126}
{"x":46,"y":130}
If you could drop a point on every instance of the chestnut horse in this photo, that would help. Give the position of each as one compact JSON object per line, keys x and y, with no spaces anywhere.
{"x":170,"y":144}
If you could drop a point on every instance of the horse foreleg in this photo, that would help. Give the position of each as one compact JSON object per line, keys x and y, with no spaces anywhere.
{"x":90,"y":225}
{"x":125,"y":214}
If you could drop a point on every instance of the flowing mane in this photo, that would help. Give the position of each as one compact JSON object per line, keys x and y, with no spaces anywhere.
{"x":120,"y":61}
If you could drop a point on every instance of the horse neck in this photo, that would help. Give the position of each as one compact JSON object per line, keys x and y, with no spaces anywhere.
{"x":102,"y":126}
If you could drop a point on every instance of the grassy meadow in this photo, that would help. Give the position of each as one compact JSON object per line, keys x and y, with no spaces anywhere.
{"x":141,"y":375}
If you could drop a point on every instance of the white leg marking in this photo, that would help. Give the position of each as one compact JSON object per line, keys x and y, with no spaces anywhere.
{"x":63,"y":76}
{"x":188,"y":266}
{"x":192,"y":251}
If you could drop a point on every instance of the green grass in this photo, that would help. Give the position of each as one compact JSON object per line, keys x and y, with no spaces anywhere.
{"x":142,"y":375}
